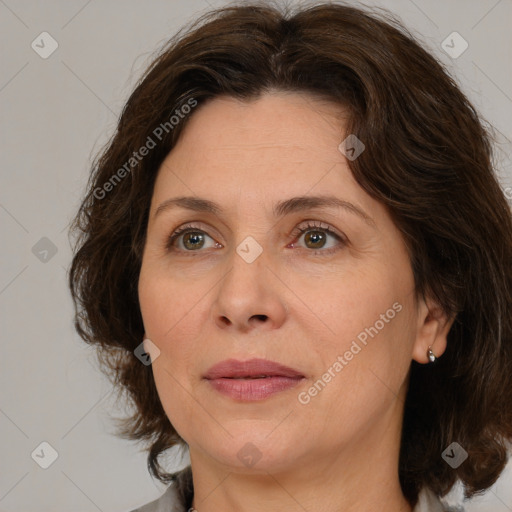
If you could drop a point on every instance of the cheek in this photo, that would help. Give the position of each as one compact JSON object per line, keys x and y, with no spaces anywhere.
{"x":170,"y":312}
{"x":176,"y":399}
{"x":359,"y":307}
{"x":368,"y":342}
{"x":357,"y":383}
{"x":171,"y":324}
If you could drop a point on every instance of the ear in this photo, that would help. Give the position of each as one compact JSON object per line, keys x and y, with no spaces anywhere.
{"x":433,"y":325}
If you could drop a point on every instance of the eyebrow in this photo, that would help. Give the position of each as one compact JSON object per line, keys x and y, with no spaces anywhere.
{"x":280,"y":209}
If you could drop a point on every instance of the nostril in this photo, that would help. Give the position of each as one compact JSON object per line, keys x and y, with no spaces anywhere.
{"x":225,"y":320}
{"x":260,"y":317}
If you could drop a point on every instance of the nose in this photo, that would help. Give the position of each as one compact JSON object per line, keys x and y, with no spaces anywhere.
{"x":249,"y":297}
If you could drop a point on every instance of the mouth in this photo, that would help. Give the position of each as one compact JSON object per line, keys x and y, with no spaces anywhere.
{"x":251,"y":369}
{"x":252,"y":377}
{"x":252,"y":380}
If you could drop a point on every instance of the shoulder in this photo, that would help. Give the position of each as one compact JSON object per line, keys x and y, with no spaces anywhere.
{"x":168,"y":502}
{"x":430,"y":502}
{"x":179,"y":494}
{"x":175,"y":499}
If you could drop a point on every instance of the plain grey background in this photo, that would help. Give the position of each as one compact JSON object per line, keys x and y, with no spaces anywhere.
{"x":56,"y":112}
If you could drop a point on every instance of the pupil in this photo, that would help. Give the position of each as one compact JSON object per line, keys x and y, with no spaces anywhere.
{"x":319,"y":236}
{"x":192,"y":236}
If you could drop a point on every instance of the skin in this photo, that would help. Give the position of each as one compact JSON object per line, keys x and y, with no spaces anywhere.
{"x":294,"y":304}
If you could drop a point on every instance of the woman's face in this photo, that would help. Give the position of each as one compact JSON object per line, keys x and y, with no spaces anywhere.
{"x":336,"y":306}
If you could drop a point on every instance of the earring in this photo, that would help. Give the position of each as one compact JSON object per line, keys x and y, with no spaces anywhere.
{"x":431,"y":355}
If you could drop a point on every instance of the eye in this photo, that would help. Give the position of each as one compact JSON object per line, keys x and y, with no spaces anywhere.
{"x":191,"y":238}
{"x":315,"y":236}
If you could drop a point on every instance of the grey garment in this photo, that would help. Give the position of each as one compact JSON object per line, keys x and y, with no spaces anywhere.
{"x":429,"y":502}
{"x":168,"y":502}
{"x":178,"y":498}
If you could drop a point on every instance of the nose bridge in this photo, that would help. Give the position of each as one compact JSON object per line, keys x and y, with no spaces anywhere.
{"x":247,"y":265}
{"x":245,"y":292}
{"x":250,"y":235}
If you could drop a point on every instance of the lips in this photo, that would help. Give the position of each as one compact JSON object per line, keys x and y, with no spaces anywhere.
{"x":251,"y":369}
{"x":253,"y":380}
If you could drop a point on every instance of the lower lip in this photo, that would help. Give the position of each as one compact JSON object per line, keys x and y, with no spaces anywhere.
{"x":250,"y":390}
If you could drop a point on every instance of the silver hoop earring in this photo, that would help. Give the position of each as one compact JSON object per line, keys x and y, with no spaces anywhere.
{"x":431,"y":355}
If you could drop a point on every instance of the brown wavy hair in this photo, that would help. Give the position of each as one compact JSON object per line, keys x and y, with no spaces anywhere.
{"x":428,"y":158}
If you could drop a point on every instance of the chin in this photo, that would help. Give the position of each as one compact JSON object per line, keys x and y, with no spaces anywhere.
{"x":253,"y":451}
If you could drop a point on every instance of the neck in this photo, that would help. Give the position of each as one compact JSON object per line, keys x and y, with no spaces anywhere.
{"x":359,"y":477}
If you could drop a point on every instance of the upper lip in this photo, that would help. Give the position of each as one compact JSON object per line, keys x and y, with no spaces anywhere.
{"x":232,"y":368}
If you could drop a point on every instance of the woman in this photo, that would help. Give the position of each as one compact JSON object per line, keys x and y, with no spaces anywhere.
{"x":295,"y":259}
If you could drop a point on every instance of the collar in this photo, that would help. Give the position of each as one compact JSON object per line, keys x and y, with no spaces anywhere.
{"x":179,"y":495}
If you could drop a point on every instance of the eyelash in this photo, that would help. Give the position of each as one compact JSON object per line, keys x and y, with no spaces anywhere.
{"x":297,"y":233}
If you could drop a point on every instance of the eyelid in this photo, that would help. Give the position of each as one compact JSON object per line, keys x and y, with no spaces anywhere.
{"x":311,"y":225}
{"x":322,"y":227}
{"x":181,"y":230}
{"x":299,"y":230}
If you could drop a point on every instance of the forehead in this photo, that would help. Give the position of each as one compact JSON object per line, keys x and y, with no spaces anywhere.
{"x":295,"y":122}
{"x":279,"y":140}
